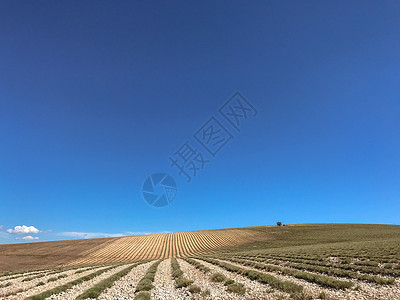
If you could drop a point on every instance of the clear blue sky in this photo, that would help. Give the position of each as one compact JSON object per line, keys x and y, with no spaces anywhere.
{"x":96,"y":95}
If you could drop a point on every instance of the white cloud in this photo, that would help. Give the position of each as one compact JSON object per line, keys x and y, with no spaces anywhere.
{"x":93,"y":235}
{"x":28,"y":238}
{"x":1,"y":227}
{"x":144,"y":232}
{"x":23,"y":230}
{"x":90,"y":235}
{"x":138,"y":232}
{"x":4,"y":235}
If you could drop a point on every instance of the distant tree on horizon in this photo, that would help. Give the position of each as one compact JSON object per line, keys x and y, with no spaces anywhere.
{"x":279,"y":223}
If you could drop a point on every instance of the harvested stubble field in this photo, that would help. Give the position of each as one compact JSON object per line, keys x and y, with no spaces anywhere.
{"x":306,"y":261}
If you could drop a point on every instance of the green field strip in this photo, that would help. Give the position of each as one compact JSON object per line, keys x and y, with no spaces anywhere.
{"x":285,"y":286}
{"x":69,"y":285}
{"x":231,"y":285}
{"x":146,"y":283}
{"x":360,"y":268}
{"x":51,"y":279}
{"x":95,"y":291}
{"x":177,"y":274}
{"x":321,"y":280}
{"x":335,"y":272}
{"x":363,"y":269}
{"x":197,"y":265}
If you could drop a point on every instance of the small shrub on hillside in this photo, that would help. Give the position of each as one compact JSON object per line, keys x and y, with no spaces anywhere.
{"x":3,"y":285}
{"x":56,"y":278}
{"x":237,"y":288}
{"x":95,"y":291}
{"x":183,"y":282}
{"x":177,"y":273}
{"x":322,"y":295}
{"x":194,"y":289}
{"x":142,"y":296}
{"x":27,"y":279}
{"x":229,"y":281}
{"x":144,"y":285}
{"x":198,"y":265}
{"x":384,"y":281}
{"x":13,"y":293}
{"x":218,"y":277}
{"x":301,"y":296}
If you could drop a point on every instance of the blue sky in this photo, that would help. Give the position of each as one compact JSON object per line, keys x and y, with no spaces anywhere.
{"x":97,"y":95}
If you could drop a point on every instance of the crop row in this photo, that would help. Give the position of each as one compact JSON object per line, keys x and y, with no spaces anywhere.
{"x":374,"y":254}
{"x":15,"y":274}
{"x":230,"y":284}
{"x":25,"y":287}
{"x":197,"y":265}
{"x":295,"y":290}
{"x":334,"y":272}
{"x":29,"y":276}
{"x":62,"y":288}
{"x":46,"y":278}
{"x":146,"y":283}
{"x":177,"y":274}
{"x":351,"y":267}
{"x":310,"y":277}
{"x":345,"y":261}
{"x":98,"y":288}
{"x":160,"y":246}
{"x":364,"y":269}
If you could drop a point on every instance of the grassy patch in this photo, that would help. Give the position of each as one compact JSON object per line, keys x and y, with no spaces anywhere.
{"x":342,"y":264}
{"x":197,"y":265}
{"x":177,"y":273}
{"x":14,"y":293}
{"x":218,"y":277}
{"x":183,"y":282}
{"x":322,"y":295}
{"x":56,"y":278}
{"x":310,"y":277}
{"x":142,"y":296}
{"x":146,"y":283}
{"x":32,"y":278}
{"x":194,"y":289}
{"x":229,"y":281}
{"x":341,"y":273}
{"x":62,"y":288}
{"x":237,"y":288}
{"x":97,"y":289}
{"x":285,"y":286}
{"x":231,"y":285}
{"x":3,"y":285}
{"x":205,"y":293}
